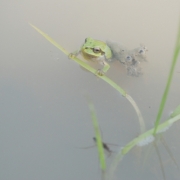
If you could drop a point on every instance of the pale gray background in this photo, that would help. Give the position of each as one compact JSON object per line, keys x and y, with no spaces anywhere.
{"x":44,"y":115}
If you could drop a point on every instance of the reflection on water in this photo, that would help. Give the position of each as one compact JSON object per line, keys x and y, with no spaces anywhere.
{"x":129,"y":58}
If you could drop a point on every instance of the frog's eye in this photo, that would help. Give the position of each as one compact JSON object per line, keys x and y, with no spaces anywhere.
{"x":96,"y":50}
{"x":86,"y":40}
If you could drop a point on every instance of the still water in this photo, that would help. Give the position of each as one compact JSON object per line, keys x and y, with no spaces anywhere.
{"x":44,"y":114}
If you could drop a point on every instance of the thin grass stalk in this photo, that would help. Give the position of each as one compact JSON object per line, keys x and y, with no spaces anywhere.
{"x":169,"y":80}
{"x":98,"y":136}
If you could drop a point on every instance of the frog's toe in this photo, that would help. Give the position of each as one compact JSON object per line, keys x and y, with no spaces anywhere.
{"x":99,"y":72}
{"x":71,"y":55}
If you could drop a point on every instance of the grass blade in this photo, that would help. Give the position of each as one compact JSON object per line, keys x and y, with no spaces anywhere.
{"x":98,"y":137}
{"x":165,"y":94}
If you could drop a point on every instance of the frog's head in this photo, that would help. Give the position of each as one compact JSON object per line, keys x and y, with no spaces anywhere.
{"x":95,"y":49}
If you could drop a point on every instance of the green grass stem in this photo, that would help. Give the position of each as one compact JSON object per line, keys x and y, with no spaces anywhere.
{"x":169,"y":80}
{"x":98,"y":137}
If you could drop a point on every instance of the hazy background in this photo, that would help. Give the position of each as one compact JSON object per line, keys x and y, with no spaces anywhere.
{"x":44,"y":115}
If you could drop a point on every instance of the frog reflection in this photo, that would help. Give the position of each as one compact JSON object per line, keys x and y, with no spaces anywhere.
{"x":129,"y":58}
{"x":140,"y":52}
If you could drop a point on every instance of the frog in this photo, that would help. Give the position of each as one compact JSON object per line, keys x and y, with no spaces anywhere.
{"x":97,"y":51}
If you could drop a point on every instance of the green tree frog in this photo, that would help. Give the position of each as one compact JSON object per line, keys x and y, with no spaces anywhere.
{"x":97,"y":51}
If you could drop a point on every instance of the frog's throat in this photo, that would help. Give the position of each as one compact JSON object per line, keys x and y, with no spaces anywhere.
{"x":92,"y":57}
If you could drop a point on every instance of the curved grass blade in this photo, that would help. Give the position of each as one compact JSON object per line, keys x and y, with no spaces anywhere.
{"x":94,"y":71}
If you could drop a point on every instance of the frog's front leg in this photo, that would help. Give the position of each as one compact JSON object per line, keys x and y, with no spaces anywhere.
{"x":74,"y":54}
